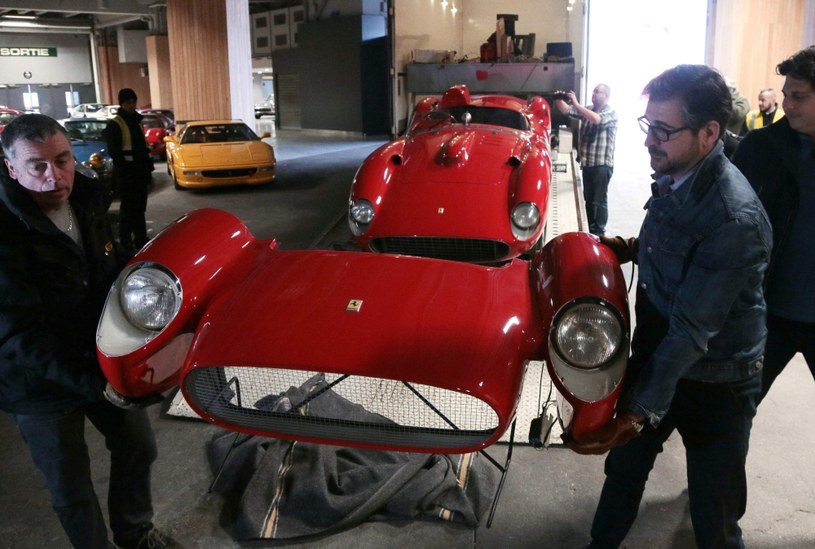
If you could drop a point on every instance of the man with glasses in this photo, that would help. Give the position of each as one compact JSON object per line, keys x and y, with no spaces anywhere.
{"x":598,"y":131}
{"x":703,"y":251}
{"x":779,"y":161}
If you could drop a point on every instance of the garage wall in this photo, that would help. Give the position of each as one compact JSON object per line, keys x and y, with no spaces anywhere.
{"x":70,"y":61}
{"x":114,"y":76}
{"x":426,"y":25}
{"x":752,"y":36}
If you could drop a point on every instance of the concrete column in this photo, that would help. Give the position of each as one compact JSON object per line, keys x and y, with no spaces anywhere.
{"x":210,"y":59}
{"x":158,"y":68}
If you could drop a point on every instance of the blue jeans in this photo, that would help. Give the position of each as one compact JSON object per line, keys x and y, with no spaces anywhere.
{"x":784,"y":339}
{"x":714,"y":420}
{"x":57,"y":445}
{"x":595,"y":193}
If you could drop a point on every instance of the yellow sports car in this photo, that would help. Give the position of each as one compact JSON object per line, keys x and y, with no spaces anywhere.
{"x":210,"y":153}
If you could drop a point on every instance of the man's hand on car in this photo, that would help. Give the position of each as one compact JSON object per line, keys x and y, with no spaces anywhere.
{"x":623,"y":428}
{"x":624,"y":248}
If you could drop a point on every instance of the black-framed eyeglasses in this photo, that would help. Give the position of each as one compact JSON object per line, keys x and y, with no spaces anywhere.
{"x":659,"y":133}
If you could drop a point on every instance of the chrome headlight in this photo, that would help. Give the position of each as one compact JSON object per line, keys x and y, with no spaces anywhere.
{"x":150,"y":298}
{"x":588,"y":335}
{"x":588,"y":348}
{"x":525,"y":219}
{"x":360,"y":215}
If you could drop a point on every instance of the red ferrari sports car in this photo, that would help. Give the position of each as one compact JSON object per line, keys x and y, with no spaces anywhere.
{"x":468,"y":181}
{"x":156,"y":128}
{"x":352,"y":348}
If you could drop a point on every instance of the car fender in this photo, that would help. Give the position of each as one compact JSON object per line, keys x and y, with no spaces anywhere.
{"x":376,"y":173}
{"x":139,"y":364}
{"x":573,"y":268}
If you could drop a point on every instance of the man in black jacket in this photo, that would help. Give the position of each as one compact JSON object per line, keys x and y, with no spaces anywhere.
{"x":132,"y":169}
{"x":779,"y":161}
{"x":57,"y":262}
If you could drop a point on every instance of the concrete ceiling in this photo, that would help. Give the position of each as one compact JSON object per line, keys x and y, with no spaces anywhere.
{"x":97,"y":13}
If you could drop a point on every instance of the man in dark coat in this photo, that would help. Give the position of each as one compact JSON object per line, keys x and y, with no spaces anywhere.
{"x":779,"y":161}
{"x":57,"y":262}
{"x":132,"y":169}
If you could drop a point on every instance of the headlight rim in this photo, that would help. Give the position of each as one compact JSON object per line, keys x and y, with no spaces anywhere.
{"x":521,"y":231}
{"x":620,"y":347}
{"x":164,"y":271}
{"x":360,"y":227}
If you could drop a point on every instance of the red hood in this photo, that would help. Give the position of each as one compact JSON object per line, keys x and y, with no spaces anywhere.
{"x":458,"y":179}
{"x":295,"y":311}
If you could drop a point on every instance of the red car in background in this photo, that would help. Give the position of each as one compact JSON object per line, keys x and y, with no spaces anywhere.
{"x":156,"y":128}
{"x":469,"y":181}
{"x":7,"y":115}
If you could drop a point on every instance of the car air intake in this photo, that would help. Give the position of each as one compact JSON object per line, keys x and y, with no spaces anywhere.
{"x":472,"y":250}
{"x":340,"y":408}
{"x":242,"y":172}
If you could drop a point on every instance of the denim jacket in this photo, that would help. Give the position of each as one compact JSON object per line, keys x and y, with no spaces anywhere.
{"x":703,"y":254}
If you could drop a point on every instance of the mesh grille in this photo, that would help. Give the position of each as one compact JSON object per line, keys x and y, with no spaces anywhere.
{"x":345,"y":408}
{"x":471,"y":250}
{"x":229,"y":173}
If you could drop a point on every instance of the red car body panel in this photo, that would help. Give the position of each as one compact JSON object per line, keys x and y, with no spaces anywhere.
{"x":156,"y":128}
{"x":450,"y":180}
{"x":463,"y":331}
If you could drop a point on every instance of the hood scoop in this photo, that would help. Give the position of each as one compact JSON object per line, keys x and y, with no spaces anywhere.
{"x":456,"y":150}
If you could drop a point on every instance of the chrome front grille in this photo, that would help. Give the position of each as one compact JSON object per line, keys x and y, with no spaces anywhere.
{"x":295,"y":403}
{"x":472,"y":250}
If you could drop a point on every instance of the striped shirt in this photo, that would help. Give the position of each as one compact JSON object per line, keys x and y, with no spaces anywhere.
{"x":596,"y":140}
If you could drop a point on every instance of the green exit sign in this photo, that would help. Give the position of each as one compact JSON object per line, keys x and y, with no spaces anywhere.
{"x":27,"y":52}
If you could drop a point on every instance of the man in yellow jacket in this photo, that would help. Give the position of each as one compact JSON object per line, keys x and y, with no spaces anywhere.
{"x":768,"y":111}
{"x":132,"y":169}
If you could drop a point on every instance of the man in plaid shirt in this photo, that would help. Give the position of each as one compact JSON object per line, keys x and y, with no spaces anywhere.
{"x":598,"y":130}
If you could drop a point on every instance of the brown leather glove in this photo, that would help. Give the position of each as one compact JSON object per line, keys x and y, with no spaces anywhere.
{"x":620,"y":430}
{"x":624,"y":248}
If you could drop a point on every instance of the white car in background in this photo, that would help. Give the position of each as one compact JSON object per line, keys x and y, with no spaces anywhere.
{"x":93,"y":110}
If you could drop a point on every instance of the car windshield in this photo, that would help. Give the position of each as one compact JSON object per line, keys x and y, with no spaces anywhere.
{"x":89,"y":130}
{"x":152,"y":122}
{"x":490,"y":115}
{"x":218,"y":133}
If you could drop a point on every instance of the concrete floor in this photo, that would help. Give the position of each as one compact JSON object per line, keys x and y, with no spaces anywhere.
{"x":549,"y":496}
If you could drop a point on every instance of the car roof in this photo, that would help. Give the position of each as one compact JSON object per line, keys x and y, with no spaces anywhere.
{"x":211,"y":122}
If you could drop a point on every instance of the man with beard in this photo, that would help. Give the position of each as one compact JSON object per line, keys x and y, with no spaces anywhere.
{"x":767,"y":112}
{"x":779,"y":161}
{"x":702,"y":250}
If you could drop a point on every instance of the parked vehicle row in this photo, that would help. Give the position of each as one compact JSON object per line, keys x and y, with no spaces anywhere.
{"x":93,"y":110}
